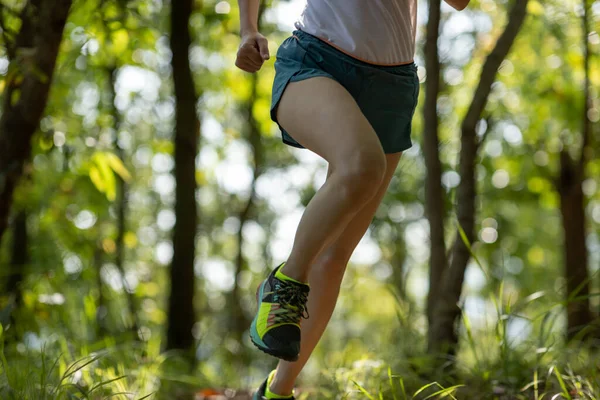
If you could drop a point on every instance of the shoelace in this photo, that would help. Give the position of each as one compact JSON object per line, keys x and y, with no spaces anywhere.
{"x":293,"y":299}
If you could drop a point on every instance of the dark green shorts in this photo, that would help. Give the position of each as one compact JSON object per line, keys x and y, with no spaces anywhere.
{"x":387,"y":95}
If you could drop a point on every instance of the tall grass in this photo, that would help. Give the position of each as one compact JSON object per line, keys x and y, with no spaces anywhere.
{"x":489,"y":366}
{"x":489,"y":363}
{"x":384,"y":361}
{"x":60,"y":371}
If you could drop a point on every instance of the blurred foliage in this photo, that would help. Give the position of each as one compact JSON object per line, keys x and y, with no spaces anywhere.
{"x":73,"y":300}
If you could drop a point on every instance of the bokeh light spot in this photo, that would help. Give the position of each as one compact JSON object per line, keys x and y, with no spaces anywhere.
{"x":500,"y":179}
{"x":489,"y":235}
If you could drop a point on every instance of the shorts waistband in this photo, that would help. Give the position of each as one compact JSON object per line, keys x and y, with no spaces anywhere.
{"x":300,"y":35}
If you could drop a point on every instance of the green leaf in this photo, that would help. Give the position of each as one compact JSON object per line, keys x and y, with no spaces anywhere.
{"x":117,"y":165}
{"x":15,"y":96}
{"x":120,"y":41}
{"x":96,"y":179}
{"x":535,"y":8}
{"x":104,"y":177}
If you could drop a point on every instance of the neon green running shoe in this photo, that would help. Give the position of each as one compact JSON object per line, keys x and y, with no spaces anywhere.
{"x":281,"y":306}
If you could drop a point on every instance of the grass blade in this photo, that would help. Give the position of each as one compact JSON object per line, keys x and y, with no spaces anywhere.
{"x":562,"y":384}
{"x":362,"y":390}
{"x":118,"y":394}
{"x":467,"y":244}
{"x":68,"y":372}
{"x":472,"y":344}
{"x":445,"y":392}
{"x":392,"y":383}
{"x":425,"y":388}
{"x":99,"y":385}
{"x":403,"y":388}
{"x":536,"y":392}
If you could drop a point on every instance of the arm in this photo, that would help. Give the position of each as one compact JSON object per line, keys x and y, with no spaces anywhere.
{"x":457,"y":4}
{"x":248,"y":16}
{"x":254,"y":49}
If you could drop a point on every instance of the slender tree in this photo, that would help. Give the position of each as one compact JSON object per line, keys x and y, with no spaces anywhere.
{"x":572,"y":208}
{"x":32,"y":56}
{"x":434,"y":193}
{"x":443,"y":338}
{"x":181,"y":316}
{"x":19,"y":256}
{"x":101,"y":307}
{"x":121,"y":202}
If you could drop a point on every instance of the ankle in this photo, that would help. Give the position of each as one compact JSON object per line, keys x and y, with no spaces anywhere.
{"x":280,"y":389}
{"x":297,"y":274}
{"x":276,"y":386}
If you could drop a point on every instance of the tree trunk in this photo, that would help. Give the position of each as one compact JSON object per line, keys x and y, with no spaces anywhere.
{"x":397,"y":260}
{"x":121,"y":203}
{"x":572,"y":208}
{"x":101,"y":307}
{"x":19,"y":257}
{"x":443,"y":337}
{"x":181,"y":317}
{"x":575,"y":252}
{"x":26,"y":93}
{"x":15,"y":274}
{"x":434,"y":200}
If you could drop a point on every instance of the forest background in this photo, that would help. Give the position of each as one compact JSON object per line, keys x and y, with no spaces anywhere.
{"x":145,"y":192}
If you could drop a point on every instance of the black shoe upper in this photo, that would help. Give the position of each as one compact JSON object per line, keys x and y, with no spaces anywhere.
{"x":260,"y":393}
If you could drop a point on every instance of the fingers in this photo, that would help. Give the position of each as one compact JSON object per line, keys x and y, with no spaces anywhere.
{"x":263,"y":47}
{"x":248,"y":58}
{"x":246,"y":66}
{"x":253,"y":52}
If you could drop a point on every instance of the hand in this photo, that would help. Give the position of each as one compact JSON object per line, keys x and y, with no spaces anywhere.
{"x":253,"y":52}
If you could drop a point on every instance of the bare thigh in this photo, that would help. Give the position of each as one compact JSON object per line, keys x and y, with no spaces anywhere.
{"x":322,"y":116}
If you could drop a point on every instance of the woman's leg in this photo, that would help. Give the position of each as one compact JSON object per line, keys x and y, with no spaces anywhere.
{"x":325,"y":280}
{"x":322,"y":116}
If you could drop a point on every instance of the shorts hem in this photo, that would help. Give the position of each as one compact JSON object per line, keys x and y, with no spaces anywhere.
{"x":399,"y":149}
{"x":295,"y":77}
{"x":293,"y":144}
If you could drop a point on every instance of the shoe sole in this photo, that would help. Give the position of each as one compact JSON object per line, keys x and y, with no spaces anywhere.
{"x":266,"y":350}
{"x":272,"y":352}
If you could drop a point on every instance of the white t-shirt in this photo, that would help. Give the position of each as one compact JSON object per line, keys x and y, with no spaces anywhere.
{"x":376,"y":31}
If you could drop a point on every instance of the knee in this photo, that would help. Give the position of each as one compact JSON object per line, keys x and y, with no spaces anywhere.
{"x":361,"y":174}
